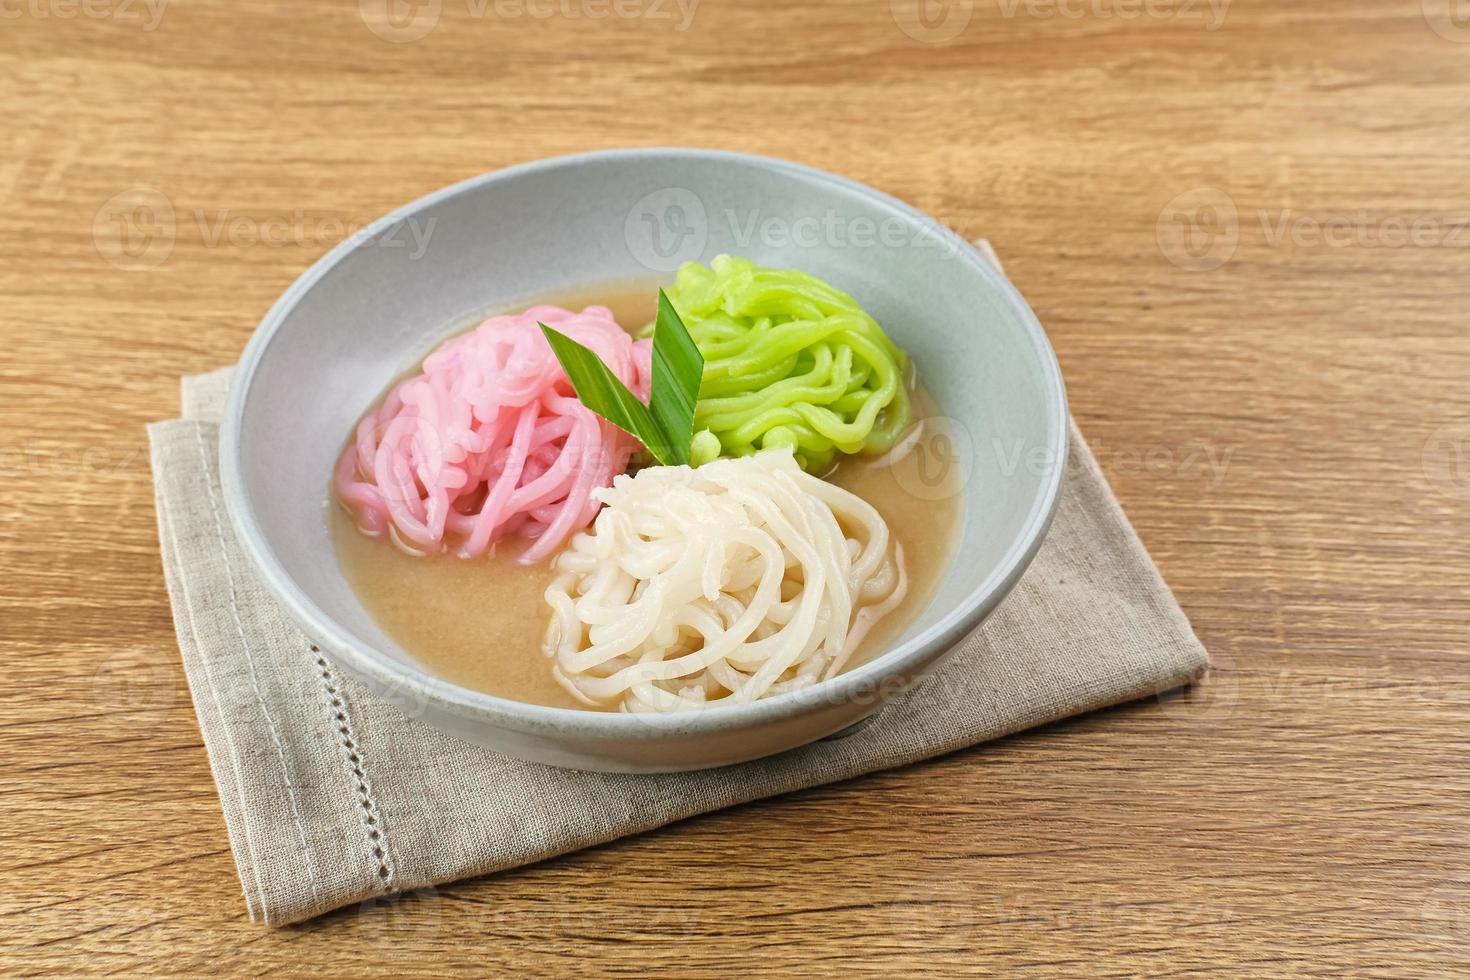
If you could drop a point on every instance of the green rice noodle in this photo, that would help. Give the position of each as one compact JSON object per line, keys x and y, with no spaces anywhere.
{"x":789,"y":361}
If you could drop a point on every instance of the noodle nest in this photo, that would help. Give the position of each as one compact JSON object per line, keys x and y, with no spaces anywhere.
{"x":739,"y":580}
{"x":489,"y":440}
{"x":789,"y":362}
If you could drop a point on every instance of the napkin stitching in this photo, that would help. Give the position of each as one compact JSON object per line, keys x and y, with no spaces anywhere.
{"x":372,"y":818}
{"x":270,"y":720}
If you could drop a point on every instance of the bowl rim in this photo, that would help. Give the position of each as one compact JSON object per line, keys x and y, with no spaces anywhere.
{"x":395,"y":678}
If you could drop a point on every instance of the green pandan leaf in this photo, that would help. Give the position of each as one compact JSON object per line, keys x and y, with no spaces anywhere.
{"x":666,"y":425}
{"x":678,"y":367}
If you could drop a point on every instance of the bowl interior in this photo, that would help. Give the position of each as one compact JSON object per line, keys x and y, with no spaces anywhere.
{"x":375,"y":306}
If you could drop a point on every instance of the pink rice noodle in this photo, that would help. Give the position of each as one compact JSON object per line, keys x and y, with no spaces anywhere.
{"x":490,"y":440}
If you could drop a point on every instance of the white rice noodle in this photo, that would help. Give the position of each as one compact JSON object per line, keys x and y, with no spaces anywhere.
{"x":739,"y":580}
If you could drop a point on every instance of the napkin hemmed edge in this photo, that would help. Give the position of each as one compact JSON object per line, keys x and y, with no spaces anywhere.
{"x":205,"y":698}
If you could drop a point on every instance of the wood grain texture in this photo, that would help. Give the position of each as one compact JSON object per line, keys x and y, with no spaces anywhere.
{"x":1290,"y":433}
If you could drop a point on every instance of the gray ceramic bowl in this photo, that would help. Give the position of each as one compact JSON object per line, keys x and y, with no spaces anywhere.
{"x":375,"y":305}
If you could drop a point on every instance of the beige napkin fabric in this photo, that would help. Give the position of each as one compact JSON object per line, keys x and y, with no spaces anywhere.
{"x":332,"y":796}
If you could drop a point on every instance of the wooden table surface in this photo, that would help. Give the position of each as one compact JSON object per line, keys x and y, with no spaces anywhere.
{"x":1246,"y":227}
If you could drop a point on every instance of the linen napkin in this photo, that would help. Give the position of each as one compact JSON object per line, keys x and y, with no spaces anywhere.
{"x":332,"y":796}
